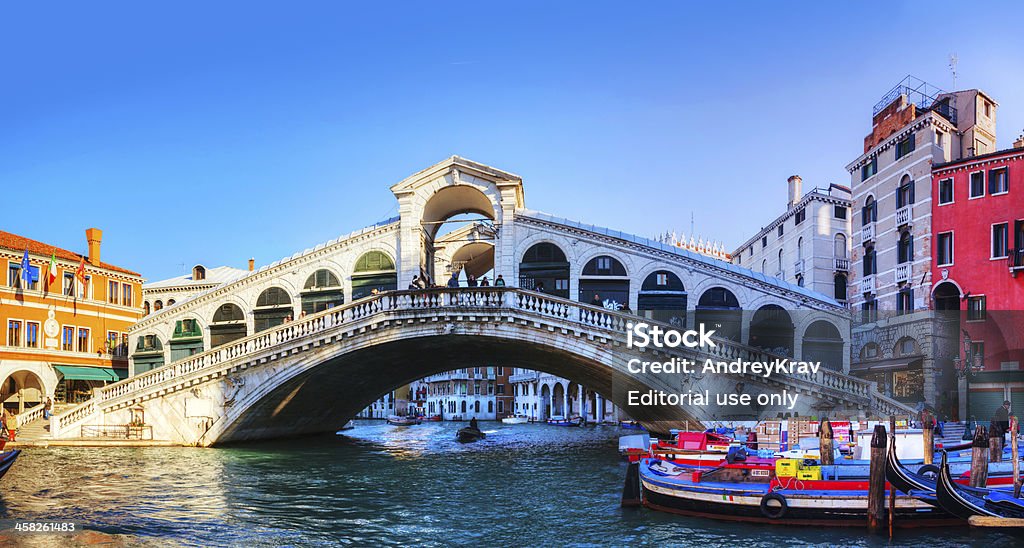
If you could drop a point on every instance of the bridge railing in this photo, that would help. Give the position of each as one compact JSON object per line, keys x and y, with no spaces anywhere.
{"x":612,"y":321}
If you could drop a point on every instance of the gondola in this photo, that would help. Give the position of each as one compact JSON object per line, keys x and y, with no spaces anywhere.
{"x":923,"y":482}
{"x":965,"y":502}
{"x":467,"y":435}
{"x":395,"y":420}
{"x":7,"y":459}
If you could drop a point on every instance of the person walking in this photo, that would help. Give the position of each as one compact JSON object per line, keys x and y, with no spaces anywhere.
{"x":997,"y":429}
{"x":47,"y":408}
{"x":499,"y":281}
{"x":11,"y":423}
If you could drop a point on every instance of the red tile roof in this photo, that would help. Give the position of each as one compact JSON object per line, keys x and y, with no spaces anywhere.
{"x":21,"y":243}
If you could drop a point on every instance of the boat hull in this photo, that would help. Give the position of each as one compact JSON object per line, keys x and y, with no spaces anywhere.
{"x":515,"y":420}
{"x":469,"y":435}
{"x":7,"y":460}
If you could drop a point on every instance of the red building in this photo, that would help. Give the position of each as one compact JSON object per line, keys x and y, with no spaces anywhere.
{"x":978,"y":272}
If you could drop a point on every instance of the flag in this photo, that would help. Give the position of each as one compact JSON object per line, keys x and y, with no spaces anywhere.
{"x":80,"y":276}
{"x":52,"y":276}
{"x":26,"y":271}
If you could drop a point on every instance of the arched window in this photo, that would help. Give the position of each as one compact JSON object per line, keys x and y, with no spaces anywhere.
{"x":839,"y":250}
{"x":321,"y":291}
{"x":663,"y":298}
{"x":490,"y":406}
{"x":869,"y":213}
{"x":772,"y":329}
{"x":170,"y":302}
{"x":840,"y":287}
{"x":905,"y":193}
{"x":764,"y":266}
{"x":780,"y":262}
{"x":719,"y":309}
{"x":463,"y":406}
{"x":158,"y":305}
{"x":374,"y":270}
{"x":145,"y":306}
{"x":228,"y":325}
{"x":871,"y":351}
{"x":905,"y":251}
{"x":273,"y":308}
{"x":149,"y":353}
{"x":822,"y":342}
{"x":544,"y":267}
{"x":198,"y":273}
{"x":604,"y":280}
{"x":476,"y":406}
{"x":800,"y":249}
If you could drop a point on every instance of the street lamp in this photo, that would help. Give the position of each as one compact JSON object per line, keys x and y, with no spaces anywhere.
{"x":967,"y":368}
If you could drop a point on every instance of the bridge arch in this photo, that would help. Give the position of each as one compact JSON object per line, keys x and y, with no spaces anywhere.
{"x":772,"y":328}
{"x":26,"y":386}
{"x":449,"y":201}
{"x":823,"y":342}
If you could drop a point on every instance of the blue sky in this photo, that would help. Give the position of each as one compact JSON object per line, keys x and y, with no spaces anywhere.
{"x":202,"y":133}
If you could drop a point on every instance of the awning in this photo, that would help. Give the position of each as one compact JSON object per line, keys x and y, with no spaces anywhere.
{"x":83,"y":373}
{"x":895,"y":364}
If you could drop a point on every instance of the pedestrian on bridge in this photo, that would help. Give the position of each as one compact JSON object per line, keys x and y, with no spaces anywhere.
{"x":47,"y":407}
{"x":596,"y":301}
{"x":471,"y":281}
{"x":484,"y":282}
{"x":499,"y":282}
{"x":453,"y":282}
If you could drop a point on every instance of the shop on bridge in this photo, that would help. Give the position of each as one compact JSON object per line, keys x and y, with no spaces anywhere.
{"x":321,"y":291}
{"x":719,"y":309}
{"x":604,"y":279}
{"x":149,"y":354}
{"x":273,"y":307}
{"x":374,"y":271}
{"x":187,"y":339}
{"x":228,"y":325}
{"x":545,"y":267}
{"x":663,"y":298}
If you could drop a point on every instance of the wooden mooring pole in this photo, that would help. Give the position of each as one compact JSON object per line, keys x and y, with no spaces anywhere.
{"x":876,"y":481}
{"x":1014,"y":427}
{"x":825,"y":447}
{"x":928,"y":436}
{"x":892,"y":491}
{"x":979,"y":457}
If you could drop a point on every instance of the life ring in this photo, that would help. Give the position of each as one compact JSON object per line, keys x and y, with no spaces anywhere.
{"x":770,"y":512}
{"x":929,"y":471}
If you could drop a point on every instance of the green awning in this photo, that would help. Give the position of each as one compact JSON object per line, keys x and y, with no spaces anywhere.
{"x":82,"y":373}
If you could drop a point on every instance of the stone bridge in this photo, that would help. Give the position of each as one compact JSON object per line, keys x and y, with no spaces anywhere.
{"x":309,"y":375}
{"x":300,"y":345}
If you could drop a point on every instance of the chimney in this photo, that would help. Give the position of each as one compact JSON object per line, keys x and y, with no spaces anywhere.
{"x":795,"y":189}
{"x":252,"y":264}
{"x":1019,"y":143}
{"x":94,"y":236}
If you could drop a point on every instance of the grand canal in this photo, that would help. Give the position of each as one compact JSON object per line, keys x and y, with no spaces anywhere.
{"x":383,"y":485}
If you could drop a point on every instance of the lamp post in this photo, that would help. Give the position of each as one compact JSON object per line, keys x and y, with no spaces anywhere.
{"x":966,"y":368}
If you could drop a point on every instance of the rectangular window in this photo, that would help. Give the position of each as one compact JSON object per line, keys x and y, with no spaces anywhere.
{"x":604,"y":263}
{"x":939,"y":138}
{"x":978,"y":353}
{"x":13,"y":275}
{"x":126,"y":294}
{"x":780,"y":230}
{"x":945,"y":191}
{"x":998,"y":181}
{"x":840,"y":212}
{"x":1000,"y":240}
{"x":69,"y":283}
{"x":67,"y":341}
{"x":976,"y":308}
{"x":801,"y":214}
{"x":905,"y":301}
{"x":32,"y":334}
{"x":147,"y":342}
{"x":764,"y":241}
{"x":13,"y":333}
{"x":112,"y":292}
{"x":905,"y":146}
{"x":751,"y":251}
{"x":83,"y":339}
{"x":988,"y":109}
{"x":869,"y":169}
{"x":977,"y":184}
{"x":662,"y":278}
{"x":501,"y":371}
{"x":501,"y":389}
{"x":562,"y":285}
{"x":944,"y":249}
{"x":869,"y":311}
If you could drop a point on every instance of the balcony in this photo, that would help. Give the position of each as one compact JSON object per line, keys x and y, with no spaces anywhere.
{"x":1016,"y":261}
{"x":798,"y":267}
{"x":903,"y":272}
{"x":842,"y":264}
{"x":524,"y":377}
{"x":867,"y":234}
{"x":903,"y":215}
{"x":867,"y":284}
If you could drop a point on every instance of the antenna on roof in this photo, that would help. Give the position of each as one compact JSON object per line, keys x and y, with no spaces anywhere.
{"x":953,"y":59}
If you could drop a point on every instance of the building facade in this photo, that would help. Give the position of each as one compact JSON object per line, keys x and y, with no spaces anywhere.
{"x":895,"y":340}
{"x":978,"y":273}
{"x":809,"y":244}
{"x":482,"y":393}
{"x":541,"y":396}
{"x":62,"y":339}
{"x":166,"y":293}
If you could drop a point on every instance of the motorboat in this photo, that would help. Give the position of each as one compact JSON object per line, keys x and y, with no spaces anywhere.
{"x":631,"y":425}
{"x":559,"y":420}
{"x":396,"y":420}
{"x":469,"y":434}
{"x":517,"y":419}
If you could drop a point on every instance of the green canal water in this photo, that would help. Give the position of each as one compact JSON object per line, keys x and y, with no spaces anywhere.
{"x":525,"y":485}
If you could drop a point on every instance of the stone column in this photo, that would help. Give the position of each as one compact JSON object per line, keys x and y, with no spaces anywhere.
{"x":599,"y":404}
{"x":565,"y":402}
{"x":582,"y":402}
{"x":410,"y":234}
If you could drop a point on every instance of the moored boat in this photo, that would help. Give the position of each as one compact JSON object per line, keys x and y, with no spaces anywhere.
{"x":469,"y":434}
{"x":517,"y":419}
{"x":7,"y":459}
{"x":965,"y":502}
{"x":631,"y":425}
{"x":562,"y":421}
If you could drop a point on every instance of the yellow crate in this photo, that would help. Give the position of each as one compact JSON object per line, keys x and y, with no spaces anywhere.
{"x":787,"y":468}
{"x":810,"y":473}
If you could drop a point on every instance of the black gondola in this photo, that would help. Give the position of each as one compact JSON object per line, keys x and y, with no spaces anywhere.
{"x":900,"y":477}
{"x":964,"y":502}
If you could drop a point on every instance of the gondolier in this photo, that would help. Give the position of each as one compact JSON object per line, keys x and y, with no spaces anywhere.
{"x":999,"y":425}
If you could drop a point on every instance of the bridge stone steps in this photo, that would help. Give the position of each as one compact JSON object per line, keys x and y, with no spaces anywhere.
{"x":36,"y":430}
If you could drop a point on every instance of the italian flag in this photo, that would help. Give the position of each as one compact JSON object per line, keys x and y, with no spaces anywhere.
{"x":52,"y":271}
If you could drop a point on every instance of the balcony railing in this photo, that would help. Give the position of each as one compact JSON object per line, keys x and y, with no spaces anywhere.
{"x":842,"y":264}
{"x":867,"y":233}
{"x":1016,"y":259}
{"x":903,"y":271}
{"x":798,"y":267}
{"x":867,"y":284}
{"x":903,"y":215}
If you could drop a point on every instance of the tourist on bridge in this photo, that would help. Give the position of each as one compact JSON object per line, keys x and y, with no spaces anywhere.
{"x":453,"y":282}
{"x":47,"y":407}
{"x":471,"y":281}
{"x":414,"y":284}
{"x":499,"y":282}
{"x":596,"y":301}
{"x":539,"y":288}
{"x":484,"y":282}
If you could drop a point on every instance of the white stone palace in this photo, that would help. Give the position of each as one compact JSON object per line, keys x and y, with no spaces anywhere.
{"x":301,"y":345}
